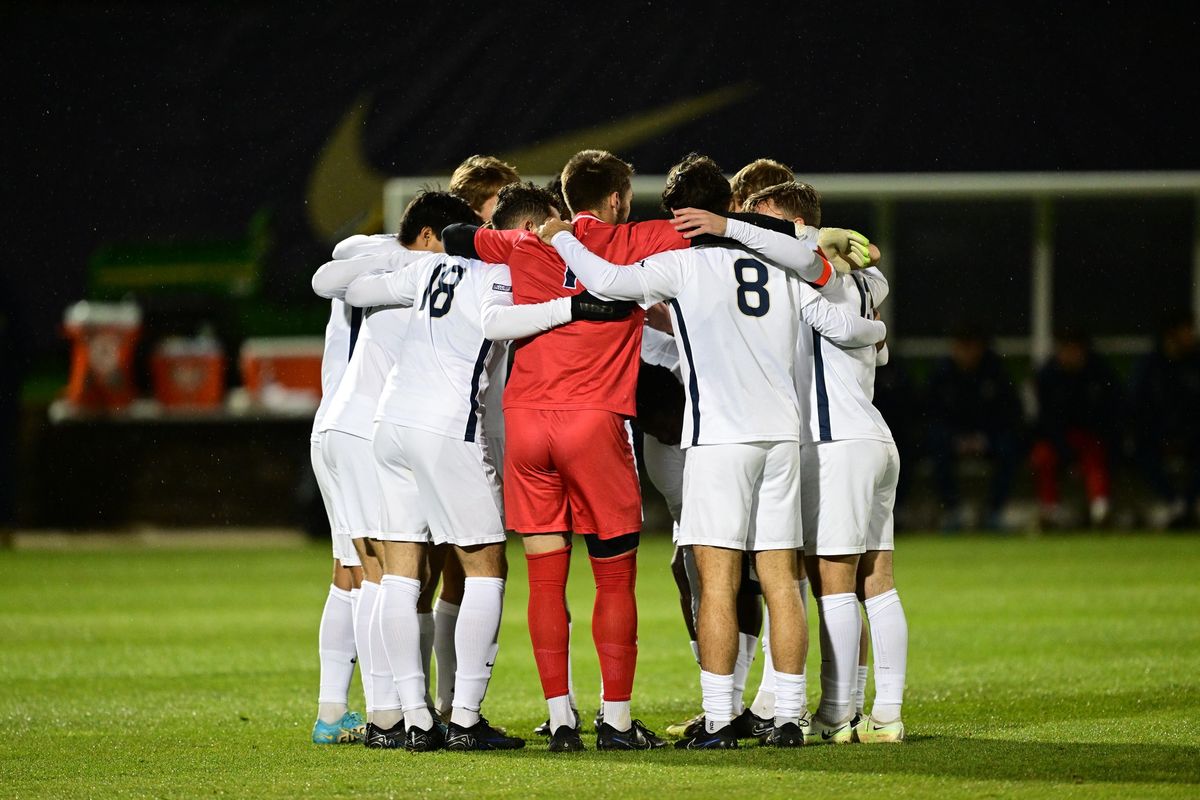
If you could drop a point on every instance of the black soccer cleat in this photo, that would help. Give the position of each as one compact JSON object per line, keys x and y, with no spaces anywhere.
{"x":749,"y":725}
{"x":597,"y":720}
{"x":378,"y":738}
{"x":480,"y":736}
{"x":723,"y":739}
{"x":417,"y":740}
{"x":566,"y":740}
{"x":544,"y":728}
{"x":787,"y":735}
{"x":638,"y":737}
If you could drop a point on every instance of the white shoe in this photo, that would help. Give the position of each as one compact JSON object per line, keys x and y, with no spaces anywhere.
{"x":822,"y":732}
{"x":869,"y":731}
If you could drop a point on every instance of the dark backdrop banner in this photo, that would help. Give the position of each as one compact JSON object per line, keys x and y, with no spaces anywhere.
{"x":166,"y":122}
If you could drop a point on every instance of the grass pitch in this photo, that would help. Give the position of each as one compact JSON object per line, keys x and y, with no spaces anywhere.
{"x":1063,"y":666}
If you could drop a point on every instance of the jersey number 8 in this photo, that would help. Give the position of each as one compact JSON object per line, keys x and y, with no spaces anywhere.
{"x":752,"y":297}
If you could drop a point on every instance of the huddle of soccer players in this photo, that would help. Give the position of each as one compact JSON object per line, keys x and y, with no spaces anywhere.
{"x":771,"y":329}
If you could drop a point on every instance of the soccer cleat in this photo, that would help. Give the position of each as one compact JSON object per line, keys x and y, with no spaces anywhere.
{"x":378,"y":738}
{"x":868,"y":731}
{"x":480,"y":736}
{"x":544,"y":728}
{"x":597,"y":720}
{"x":417,"y":740}
{"x":857,"y":718}
{"x":638,"y":737}
{"x":350,"y":729}
{"x":723,"y":739}
{"x":749,"y":725}
{"x":787,"y":735}
{"x":822,"y":732}
{"x":566,"y":740}
{"x":687,"y":728}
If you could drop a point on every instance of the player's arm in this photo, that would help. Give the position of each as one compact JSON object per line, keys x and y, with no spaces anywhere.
{"x":844,"y":330}
{"x":384,"y":288}
{"x":502,"y":320}
{"x":798,"y":255}
{"x":359,"y":244}
{"x":649,"y":281}
{"x":483,"y":244}
{"x":332,"y":279}
{"x":876,"y":283}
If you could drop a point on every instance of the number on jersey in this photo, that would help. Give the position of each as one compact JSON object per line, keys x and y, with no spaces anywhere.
{"x":752,"y":297}
{"x":440,"y":293}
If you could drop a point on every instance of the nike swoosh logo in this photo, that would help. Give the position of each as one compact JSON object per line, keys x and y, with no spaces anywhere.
{"x":830,"y":734}
{"x":878,"y":727}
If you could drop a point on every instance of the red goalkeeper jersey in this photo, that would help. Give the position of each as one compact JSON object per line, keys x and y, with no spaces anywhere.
{"x":585,"y":364}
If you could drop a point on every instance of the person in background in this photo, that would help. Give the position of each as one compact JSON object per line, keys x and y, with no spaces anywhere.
{"x":1077,"y":401}
{"x":974,"y":411}
{"x":1166,"y":394}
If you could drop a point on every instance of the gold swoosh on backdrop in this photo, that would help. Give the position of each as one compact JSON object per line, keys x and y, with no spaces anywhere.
{"x":345,"y":192}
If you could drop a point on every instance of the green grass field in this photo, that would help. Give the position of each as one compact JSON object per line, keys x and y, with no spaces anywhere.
{"x":1064,"y":666}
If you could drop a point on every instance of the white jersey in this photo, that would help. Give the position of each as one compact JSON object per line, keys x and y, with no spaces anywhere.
{"x":836,"y":384}
{"x":341,"y":328}
{"x":448,"y":371}
{"x":660,"y":350}
{"x":351,"y":409}
{"x":735,"y":311}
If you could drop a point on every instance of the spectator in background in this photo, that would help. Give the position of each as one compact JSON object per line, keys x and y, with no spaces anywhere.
{"x":974,"y":411}
{"x":1166,"y":400}
{"x":1077,"y":399}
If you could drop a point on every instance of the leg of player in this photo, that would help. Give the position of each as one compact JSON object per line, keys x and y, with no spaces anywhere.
{"x":763,"y":706}
{"x":385,"y":730}
{"x":614,"y":631}
{"x":683,"y":569}
{"x":860,"y":688}
{"x":445,"y":619}
{"x":404,"y":565}
{"x":335,"y":645}
{"x":720,"y":571}
{"x":485,"y":570}
{"x":789,"y":637}
{"x":889,"y":640}
{"x":431,"y":578}
{"x":750,"y":621}
{"x":840,"y":626}
{"x":548,"y":558}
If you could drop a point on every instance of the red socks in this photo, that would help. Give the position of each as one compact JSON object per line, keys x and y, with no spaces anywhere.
{"x":549,"y":630}
{"x":614,"y":623}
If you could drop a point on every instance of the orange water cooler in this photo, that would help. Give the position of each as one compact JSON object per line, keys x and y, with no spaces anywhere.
{"x":103,"y":337}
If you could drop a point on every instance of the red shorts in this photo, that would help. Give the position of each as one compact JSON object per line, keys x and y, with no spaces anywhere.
{"x":570,"y":471}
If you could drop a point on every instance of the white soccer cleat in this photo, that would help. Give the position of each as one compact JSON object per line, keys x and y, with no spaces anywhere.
{"x":870,"y":731}
{"x":822,"y":732}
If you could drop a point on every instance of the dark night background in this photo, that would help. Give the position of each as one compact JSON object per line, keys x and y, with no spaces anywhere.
{"x":166,"y":121}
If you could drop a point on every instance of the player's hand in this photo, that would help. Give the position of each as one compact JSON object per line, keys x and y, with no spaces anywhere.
{"x":692,"y":222}
{"x":586,"y":306}
{"x":842,"y":244}
{"x":658,"y":316}
{"x":551,"y":227}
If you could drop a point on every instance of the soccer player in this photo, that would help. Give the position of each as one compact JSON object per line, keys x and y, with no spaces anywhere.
{"x":759,"y":174}
{"x":741,"y":476}
{"x":347,"y":431}
{"x":440,"y":477}
{"x":848,"y":452}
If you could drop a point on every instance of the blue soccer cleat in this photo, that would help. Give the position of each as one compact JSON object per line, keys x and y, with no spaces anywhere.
{"x":350,"y":729}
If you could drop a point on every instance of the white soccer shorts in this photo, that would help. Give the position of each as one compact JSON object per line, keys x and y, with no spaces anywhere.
{"x":664,"y":468}
{"x":351,"y":464}
{"x":848,"y":492}
{"x":742,"y":496}
{"x":458,"y":496}
{"x":343,"y":547}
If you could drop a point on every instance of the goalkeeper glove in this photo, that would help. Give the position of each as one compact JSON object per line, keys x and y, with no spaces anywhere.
{"x":846,"y":249}
{"x":586,"y":306}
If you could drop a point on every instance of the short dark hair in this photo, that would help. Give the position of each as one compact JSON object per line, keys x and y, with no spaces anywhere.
{"x":555,"y":187}
{"x":756,"y":176}
{"x":792,"y":198}
{"x":696,"y":182}
{"x":433,"y":209}
{"x":479,"y":177}
{"x":518,"y":201}
{"x":591,"y":176}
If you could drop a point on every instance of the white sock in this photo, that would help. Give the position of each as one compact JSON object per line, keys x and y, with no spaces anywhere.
{"x":387,"y":712}
{"x":747,"y":648}
{"x":367,"y":595}
{"x":616,"y":714}
{"x":402,"y":643}
{"x":335,"y":645}
{"x":425,"y":625}
{"x":764,"y":701}
{"x":717,"y":693}
{"x":791,"y":698}
{"x":840,"y":629}
{"x":889,"y":638}
{"x":445,"y":618}
{"x":561,"y":712}
{"x":860,"y":691}
{"x":475,"y":643}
